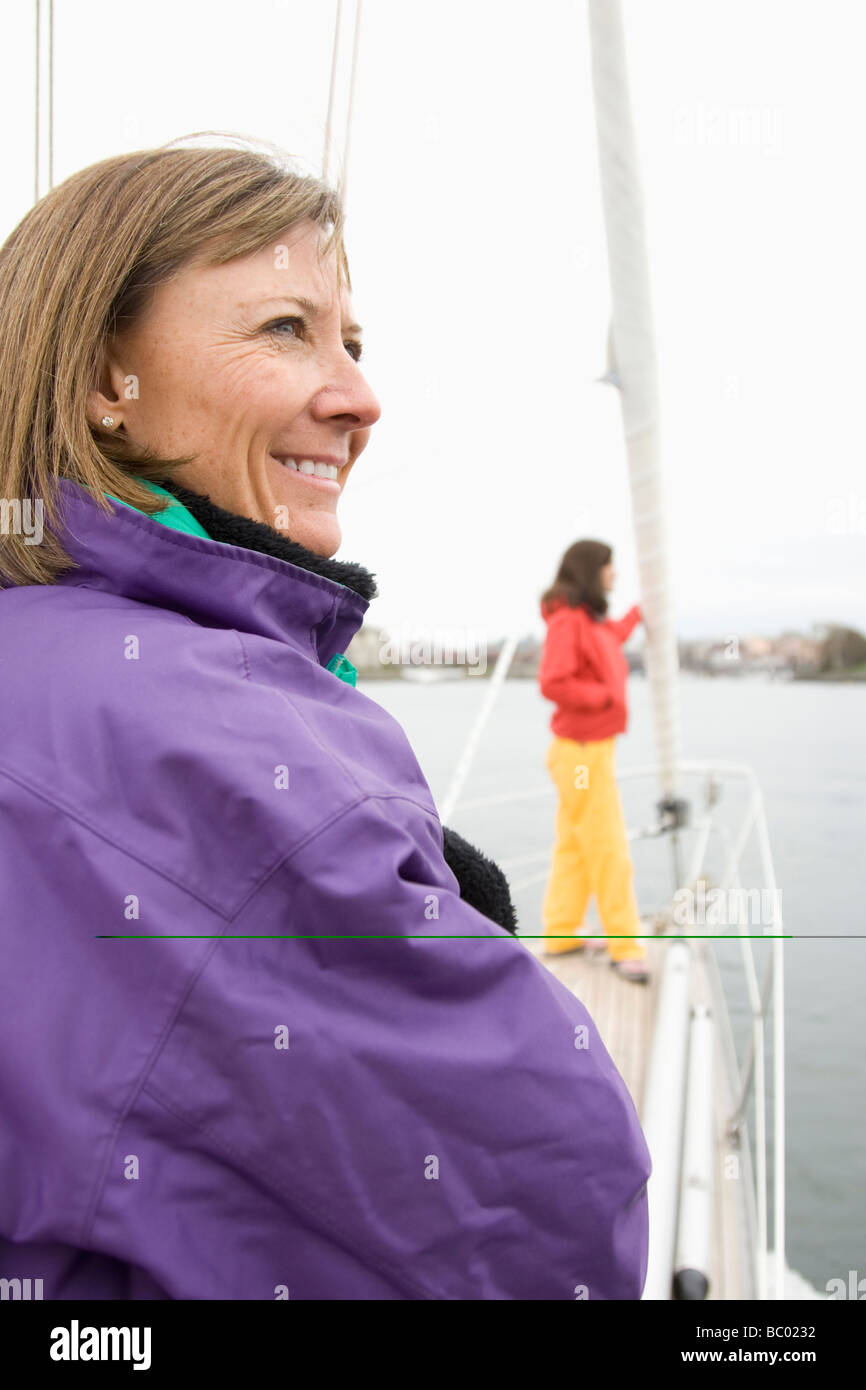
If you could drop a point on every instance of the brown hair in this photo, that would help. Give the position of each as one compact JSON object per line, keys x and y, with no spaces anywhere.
{"x":578,"y":579}
{"x":80,"y":266}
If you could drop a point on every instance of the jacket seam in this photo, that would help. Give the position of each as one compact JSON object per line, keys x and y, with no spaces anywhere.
{"x":324,"y":749}
{"x":129,"y":598}
{"x":290,"y":1196}
{"x":215,"y":908}
{"x":319,"y":829}
{"x":136,"y":1089}
{"x":311,"y":835}
{"x":57,"y":804}
{"x":245,"y":660}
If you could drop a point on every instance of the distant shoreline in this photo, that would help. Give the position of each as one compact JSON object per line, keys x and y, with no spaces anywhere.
{"x":458,"y":671}
{"x":847,"y":677}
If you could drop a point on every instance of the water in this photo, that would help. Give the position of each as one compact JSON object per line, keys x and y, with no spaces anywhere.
{"x":807,"y":744}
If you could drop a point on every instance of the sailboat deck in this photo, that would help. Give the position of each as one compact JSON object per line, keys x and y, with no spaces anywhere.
{"x":624,"y":1014}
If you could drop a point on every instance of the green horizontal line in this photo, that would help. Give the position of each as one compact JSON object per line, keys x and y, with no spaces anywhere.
{"x":425,"y":936}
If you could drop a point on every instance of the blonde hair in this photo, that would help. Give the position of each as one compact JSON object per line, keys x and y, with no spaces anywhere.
{"x":82,"y":265}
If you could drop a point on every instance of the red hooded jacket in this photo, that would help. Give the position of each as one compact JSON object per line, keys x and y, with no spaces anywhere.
{"x":583,"y":670}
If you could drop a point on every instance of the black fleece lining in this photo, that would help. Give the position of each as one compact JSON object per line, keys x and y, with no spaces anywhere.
{"x":254,"y":535}
{"x":482,"y":883}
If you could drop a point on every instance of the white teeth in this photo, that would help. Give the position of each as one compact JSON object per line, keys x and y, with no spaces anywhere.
{"x":311,"y":468}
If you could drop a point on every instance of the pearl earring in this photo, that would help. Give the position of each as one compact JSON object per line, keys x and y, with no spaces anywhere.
{"x":108,"y":421}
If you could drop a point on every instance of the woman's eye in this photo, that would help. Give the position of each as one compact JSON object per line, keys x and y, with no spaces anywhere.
{"x":295,"y":323}
{"x":279,"y":326}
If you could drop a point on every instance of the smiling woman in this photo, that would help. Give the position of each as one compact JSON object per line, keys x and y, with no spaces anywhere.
{"x":219,"y":844}
{"x":275,"y":411}
{"x":168,"y":329}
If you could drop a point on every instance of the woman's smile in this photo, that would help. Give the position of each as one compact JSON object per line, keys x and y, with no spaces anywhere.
{"x":312,"y":471}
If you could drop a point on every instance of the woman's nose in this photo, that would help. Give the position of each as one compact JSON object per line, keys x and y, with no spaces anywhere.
{"x":367,"y":406}
{"x":350,"y":394}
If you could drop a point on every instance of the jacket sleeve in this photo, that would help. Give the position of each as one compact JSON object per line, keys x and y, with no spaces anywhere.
{"x":624,"y":627}
{"x":562,"y":674}
{"x":444,"y":1121}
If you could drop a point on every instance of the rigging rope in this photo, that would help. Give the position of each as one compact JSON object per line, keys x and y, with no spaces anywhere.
{"x":332,"y":90}
{"x":46,"y":138}
{"x":335,"y":47}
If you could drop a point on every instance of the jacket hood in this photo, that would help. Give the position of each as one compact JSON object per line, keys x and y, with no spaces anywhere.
{"x":230,"y":583}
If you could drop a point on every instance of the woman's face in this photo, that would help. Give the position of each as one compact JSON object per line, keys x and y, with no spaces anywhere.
{"x":608,"y":577}
{"x":231,"y":367}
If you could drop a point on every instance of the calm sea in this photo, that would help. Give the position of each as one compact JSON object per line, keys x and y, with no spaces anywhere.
{"x":807,"y":744}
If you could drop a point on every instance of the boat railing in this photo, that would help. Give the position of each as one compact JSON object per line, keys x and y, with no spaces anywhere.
{"x":747,"y":1074}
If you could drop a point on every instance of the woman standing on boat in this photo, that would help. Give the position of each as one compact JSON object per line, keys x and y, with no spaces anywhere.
{"x":583,"y":670}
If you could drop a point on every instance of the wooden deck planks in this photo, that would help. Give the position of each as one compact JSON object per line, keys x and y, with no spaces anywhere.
{"x":624,"y":1014}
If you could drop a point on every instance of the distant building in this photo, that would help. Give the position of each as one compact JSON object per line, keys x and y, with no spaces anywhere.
{"x":800,"y":653}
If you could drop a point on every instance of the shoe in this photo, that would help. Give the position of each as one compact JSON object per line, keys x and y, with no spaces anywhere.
{"x":590,"y":945}
{"x":634,"y":970}
{"x":564,"y":950}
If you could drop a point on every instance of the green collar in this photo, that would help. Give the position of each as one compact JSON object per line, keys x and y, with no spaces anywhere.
{"x":175,"y":515}
{"x":180,"y":518}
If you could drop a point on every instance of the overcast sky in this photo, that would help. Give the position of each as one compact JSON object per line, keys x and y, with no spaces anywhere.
{"x":476,"y":246}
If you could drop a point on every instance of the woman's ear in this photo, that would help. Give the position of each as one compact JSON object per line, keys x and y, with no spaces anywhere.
{"x":107,"y":398}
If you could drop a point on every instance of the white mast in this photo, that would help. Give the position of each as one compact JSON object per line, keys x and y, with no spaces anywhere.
{"x":632,"y":368}
{"x":633,"y":364}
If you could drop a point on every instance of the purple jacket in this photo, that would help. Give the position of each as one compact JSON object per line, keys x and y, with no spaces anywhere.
{"x":223,"y":1112}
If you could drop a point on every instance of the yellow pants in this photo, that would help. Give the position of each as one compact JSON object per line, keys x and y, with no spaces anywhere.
{"x":591,"y":854}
